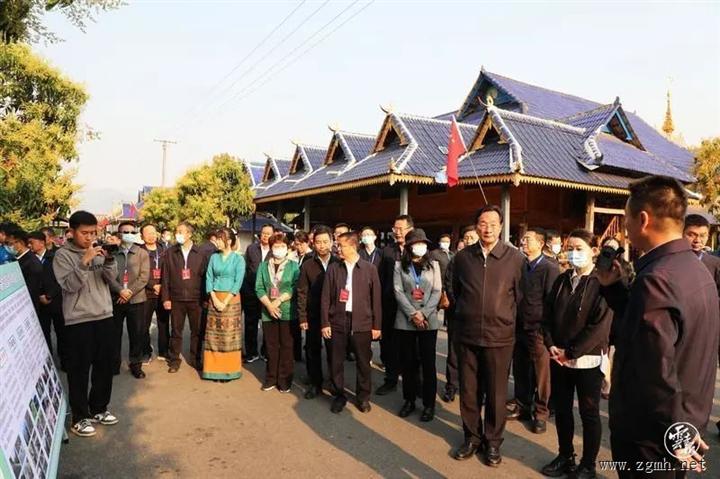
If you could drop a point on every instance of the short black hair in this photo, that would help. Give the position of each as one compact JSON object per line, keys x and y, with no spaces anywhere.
{"x":539,"y":232}
{"x":186,"y":225}
{"x":663,"y":196}
{"x":696,"y":220}
{"x":488,"y":209}
{"x":364,"y":228}
{"x":350,"y":236}
{"x":302,"y":236}
{"x":82,"y":218}
{"x":550,"y":234}
{"x":266,"y":225}
{"x":445,"y":235}
{"x":213,"y":233}
{"x":584,"y":235}
{"x":467,"y":229}
{"x":342,"y":225}
{"x":8,"y":226}
{"x":37,"y":235}
{"x":407,"y":218}
{"x":322,"y":230}
{"x":19,"y":233}
{"x":127,"y":223}
{"x":149,"y":224}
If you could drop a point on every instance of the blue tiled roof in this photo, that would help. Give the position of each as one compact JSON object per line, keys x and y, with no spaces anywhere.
{"x":360,"y":145}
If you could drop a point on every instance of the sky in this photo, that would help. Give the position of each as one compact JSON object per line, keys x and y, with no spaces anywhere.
{"x":229,"y":77}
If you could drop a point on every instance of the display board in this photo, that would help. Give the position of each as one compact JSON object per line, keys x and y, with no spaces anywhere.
{"x":32,"y":401}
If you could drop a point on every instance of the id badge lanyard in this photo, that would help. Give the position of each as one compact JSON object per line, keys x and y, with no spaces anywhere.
{"x":126,"y":278}
{"x":156,"y":271}
{"x":417,"y":293}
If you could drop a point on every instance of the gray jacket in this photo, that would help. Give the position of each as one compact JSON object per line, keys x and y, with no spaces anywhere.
{"x":85,"y":291}
{"x":431,"y":285}
{"x":138,"y":268}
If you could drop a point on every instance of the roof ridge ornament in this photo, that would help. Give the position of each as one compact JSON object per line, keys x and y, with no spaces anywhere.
{"x":387,"y":108}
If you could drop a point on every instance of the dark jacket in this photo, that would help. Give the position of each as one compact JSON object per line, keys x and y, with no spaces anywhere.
{"x":138,"y":269}
{"x":537,"y":281}
{"x":305,"y":258}
{"x":486,"y":293}
{"x":577,"y":321}
{"x":389,"y":256}
{"x":375,"y":258}
{"x":156,"y":259}
{"x":443,"y":258}
{"x":32,"y":271}
{"x":309,"y":289}
{"x":208,"y":248}
{"x":713,"y":265}
{"x":664,"y":364}
{"x":50,"y":287}
{"x":253,"y":258}
{"x":366,"y":307}
{"x":173,"y":287}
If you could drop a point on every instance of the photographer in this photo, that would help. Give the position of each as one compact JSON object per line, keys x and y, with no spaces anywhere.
{"x":666,"y":332}
{"x":84,"y":270}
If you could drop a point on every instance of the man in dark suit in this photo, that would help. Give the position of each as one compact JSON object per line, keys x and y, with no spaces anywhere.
{"x":667,"y":336}
{"x":350,"y":307}
{"x":442,"y":254}
{"x":368,"y":249}
{"x":309,"y":295}
{"x":32,"y":270}
{"x":388,"y":348}
{"x":303,"y":248}
{"x":255,"y":254}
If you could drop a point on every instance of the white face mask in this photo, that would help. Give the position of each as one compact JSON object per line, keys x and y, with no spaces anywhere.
{"x":279,"y":253}
{"x":419,"y":249}
{"x":445,"y":246}
{"x":555,"y":248}
{"x":368,"y":240}
{"x":579,"y":259}
{"x":129,"y":239}
{"x":180,"y":239}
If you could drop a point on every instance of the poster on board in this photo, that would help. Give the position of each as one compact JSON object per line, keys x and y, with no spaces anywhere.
{"x":32,"y":401}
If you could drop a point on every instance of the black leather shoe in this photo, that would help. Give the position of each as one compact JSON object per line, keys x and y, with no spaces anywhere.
{"x":407,"y":409}
{"x":338,"y":405}
{"x":512,"y":411}
{"x":448,"y":395}
{"x":173,"y":369}
{"x":560,"y":466}
{"x":492,"y":456}
{"x":539,"y":426}
{"x":428,"y":414}
{"x":363,"y":407}
{"x":585,"y":472}
{"x":466,"y":451}
{"x":386,"y":388}
{"x":137,"y":373}
{"x":312,"y":392}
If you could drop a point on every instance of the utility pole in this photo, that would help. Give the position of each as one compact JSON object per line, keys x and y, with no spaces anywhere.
{"x":165,"y":143}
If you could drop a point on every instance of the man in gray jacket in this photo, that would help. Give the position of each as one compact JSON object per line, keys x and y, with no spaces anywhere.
{"x":83,"y":271}
{"x":128,"y":294}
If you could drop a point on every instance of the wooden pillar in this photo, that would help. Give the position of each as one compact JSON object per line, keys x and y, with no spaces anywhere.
{"x":590,"y":213}
{"x":306,"y":222}
{"x":404,"y":199}
{"x":505,"y":205}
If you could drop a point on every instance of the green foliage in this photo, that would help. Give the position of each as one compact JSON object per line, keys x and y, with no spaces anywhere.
{"x":39,"y":111}
{"x":209,"y":196}
{"x":22,"y":20}
{"x":707,"y":172}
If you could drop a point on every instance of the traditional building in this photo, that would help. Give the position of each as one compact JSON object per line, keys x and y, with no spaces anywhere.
{"x":549,"y":159}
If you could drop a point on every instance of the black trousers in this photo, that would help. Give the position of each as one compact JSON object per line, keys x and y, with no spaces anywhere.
{"x":313,"y":352}
{"x":361,"y":344}
{"x":162,"y":318}
{"x":279,"y":343}
{"x":483,"y":378}
{"x":135,"y":316}
{"x":417,"y":350}
{"x":452,"y":375}
{"x":388,"y":347}
{"x":51,"y":316}
{"x":89,"y":345}
{"x":252,"y":312}
{"x":531,"y":372}
{"x":587,"y":383}
{"x":193,"y":311}
{"x":297,"y":338}
{"x":631,"y":452}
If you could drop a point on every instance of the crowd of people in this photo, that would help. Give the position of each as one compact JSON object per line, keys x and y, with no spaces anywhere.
{"x":569,"y":316}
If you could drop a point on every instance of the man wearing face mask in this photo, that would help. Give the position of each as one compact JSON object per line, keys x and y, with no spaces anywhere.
{"x":32,"y":271}
{"x":442,"y":254}
{"x":128,"y":294}
{"x":368,"y":250}
{"x":667,"y":335}
{"x":182,"y":290}
{"x":553,"y":249}
{"x":5,"y":228}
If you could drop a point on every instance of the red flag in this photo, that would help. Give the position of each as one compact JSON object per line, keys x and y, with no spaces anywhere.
{"x":456,"y":148}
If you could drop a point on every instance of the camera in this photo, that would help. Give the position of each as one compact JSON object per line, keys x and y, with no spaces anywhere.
{"x":108,"y":248}
{"x":606,"y":257}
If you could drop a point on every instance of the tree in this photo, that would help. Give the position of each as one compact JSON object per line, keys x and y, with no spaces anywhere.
{"x":707,"y":172}
{"x":39,"y":111}
{"x":211,"y":195}
{"x":22,"y":20}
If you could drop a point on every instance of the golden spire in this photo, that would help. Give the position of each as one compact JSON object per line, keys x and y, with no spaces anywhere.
{"x":668,"y":126}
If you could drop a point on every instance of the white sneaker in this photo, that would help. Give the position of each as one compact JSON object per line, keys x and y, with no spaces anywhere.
{"x":83,"y":428}
{"x":284,"y":390}
{"x":105,"y":418}
{"x":268,"y":387}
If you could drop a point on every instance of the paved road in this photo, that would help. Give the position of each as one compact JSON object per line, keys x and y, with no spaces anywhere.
{"x":181,"y":426}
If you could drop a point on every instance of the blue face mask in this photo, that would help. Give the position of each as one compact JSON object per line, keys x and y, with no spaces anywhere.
{"x":128,"y":239}
{"x":11,"y":250}
{"x":579,"y":259}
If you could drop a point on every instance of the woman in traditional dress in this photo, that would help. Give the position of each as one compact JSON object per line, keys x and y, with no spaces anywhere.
{"x":222,"y":344}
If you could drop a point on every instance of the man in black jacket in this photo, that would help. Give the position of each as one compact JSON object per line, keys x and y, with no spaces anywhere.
{"x":255,"y":254}
{"x":350,"y":308}
{"x":182,"y":290}
{"x":368,"y":250}
{"x":531,"y":361}
{"x":156,"y":252}
{"x":486,"y":289}
{"x":309,"y":292}
{"x":667,"y":337}
{"x":32,"y":270}
{"x":388,"y":348}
